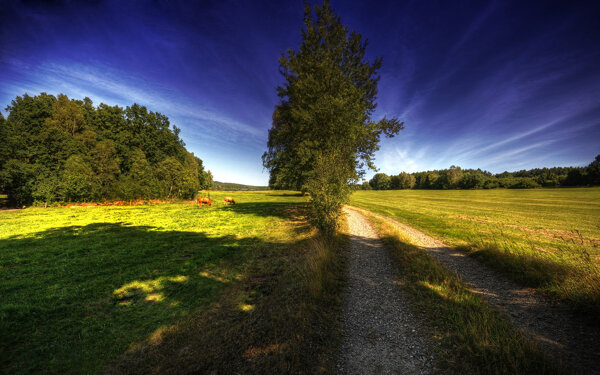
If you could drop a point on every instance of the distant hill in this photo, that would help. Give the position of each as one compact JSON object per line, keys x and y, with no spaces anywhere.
{"x":236,"y":187}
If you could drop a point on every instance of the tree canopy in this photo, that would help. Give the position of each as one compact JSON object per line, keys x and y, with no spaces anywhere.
{"x":323,"y":122}
{"x":61,"y":149}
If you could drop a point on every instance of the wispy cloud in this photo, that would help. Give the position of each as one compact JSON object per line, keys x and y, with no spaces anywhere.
{"x":114,"y":87}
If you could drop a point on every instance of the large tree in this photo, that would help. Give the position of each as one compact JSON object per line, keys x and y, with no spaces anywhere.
{"x":323,"y":123}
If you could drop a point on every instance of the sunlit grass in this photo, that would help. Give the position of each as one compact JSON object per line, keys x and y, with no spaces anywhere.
{"x":81,"y":286}
{"x":545,"y":238}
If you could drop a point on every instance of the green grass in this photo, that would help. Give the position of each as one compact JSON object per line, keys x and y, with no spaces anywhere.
{"x":471,"y":337}
{"x":101,"y":288}
{"x":545,"y":238}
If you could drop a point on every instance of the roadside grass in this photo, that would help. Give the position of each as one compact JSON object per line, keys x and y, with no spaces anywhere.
{"x":87,"y":290}
{"x":471,"y":338}
{"x":281,"y":318}
{"x":548,"y":239}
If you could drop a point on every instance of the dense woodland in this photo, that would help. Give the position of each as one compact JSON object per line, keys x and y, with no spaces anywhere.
{"x":57,"y":149}
{"x":457,"y":178}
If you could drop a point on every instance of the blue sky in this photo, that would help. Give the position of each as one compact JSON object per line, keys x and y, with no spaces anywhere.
{"x":503,"y":85}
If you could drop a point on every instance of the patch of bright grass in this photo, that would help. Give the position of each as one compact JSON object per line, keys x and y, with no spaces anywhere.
{"x":544,"y":238}
{"x":86,"y":288}
{"x":472,"y":338}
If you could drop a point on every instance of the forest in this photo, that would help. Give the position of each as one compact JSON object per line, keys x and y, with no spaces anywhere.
{"x":457,"y":178}
{"x":56,"y":149}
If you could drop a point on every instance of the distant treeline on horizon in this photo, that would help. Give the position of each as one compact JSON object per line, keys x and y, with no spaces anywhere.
{"x":457,"y":178}
{"x":57,"y":149}
{"x":230,"y":186}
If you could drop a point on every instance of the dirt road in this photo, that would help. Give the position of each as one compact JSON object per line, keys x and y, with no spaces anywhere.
{"x":380,"y":333}
{"x":556,"y":329}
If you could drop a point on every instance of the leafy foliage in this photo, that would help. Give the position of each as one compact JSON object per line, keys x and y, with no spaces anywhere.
{"x":457,"y":178}
{"x":381,"y":181}
{"x":325,"y":109}
{"x":61,"y":149}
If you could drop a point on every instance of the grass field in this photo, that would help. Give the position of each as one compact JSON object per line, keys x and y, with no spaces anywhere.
{"x":115,"y":288}
{"x":545,"y":238}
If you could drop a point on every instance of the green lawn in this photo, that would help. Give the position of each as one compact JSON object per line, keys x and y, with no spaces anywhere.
{"x":546,"y":238}
{"x":82,"y":286}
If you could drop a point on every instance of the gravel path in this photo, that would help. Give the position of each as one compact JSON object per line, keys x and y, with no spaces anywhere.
{"x":560,"y":333}
{"x":380,"y":334}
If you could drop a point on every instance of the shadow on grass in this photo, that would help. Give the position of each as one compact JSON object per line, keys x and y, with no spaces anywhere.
{"x":283,"y":210}
{"x":288,"y":195}
{"x":76,"y":297}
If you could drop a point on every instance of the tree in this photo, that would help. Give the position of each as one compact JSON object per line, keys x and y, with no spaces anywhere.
{"x":78,"y":180}
{"x":208,"y":180}
{"x":593,"y":172}
{"x":381,"y":181}
{"x":5,"y":133}
{"x":171,"y":174}
{"x":66,"y":115}
{"x":576,"y":177}
{"x":47,"y":188}
{"x":472,"y":180}
{"x":326,"y":186}
{"x":140,"y":182}
{"x":325,"y":110}
{"x":431,"y":180}
{"x":406,"y":181}
{"x":106,"y":165}
{"x":18,"y":179}
{"x":191,"y":181}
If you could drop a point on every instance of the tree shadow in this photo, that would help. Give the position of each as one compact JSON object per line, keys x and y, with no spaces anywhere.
{"x":75,"y":297}
{"x":282,"y":210}
{"x":287,"y":195}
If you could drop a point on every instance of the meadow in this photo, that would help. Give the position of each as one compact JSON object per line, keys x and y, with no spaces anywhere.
{"x":141,"y":289}
{"x":545,"y":238}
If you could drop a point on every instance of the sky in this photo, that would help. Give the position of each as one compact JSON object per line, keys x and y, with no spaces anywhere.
{"x":496,"y":85}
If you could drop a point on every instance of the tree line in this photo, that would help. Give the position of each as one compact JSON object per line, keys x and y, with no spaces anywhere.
{"x":457,"y":178}
{"x":59,"y":149}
